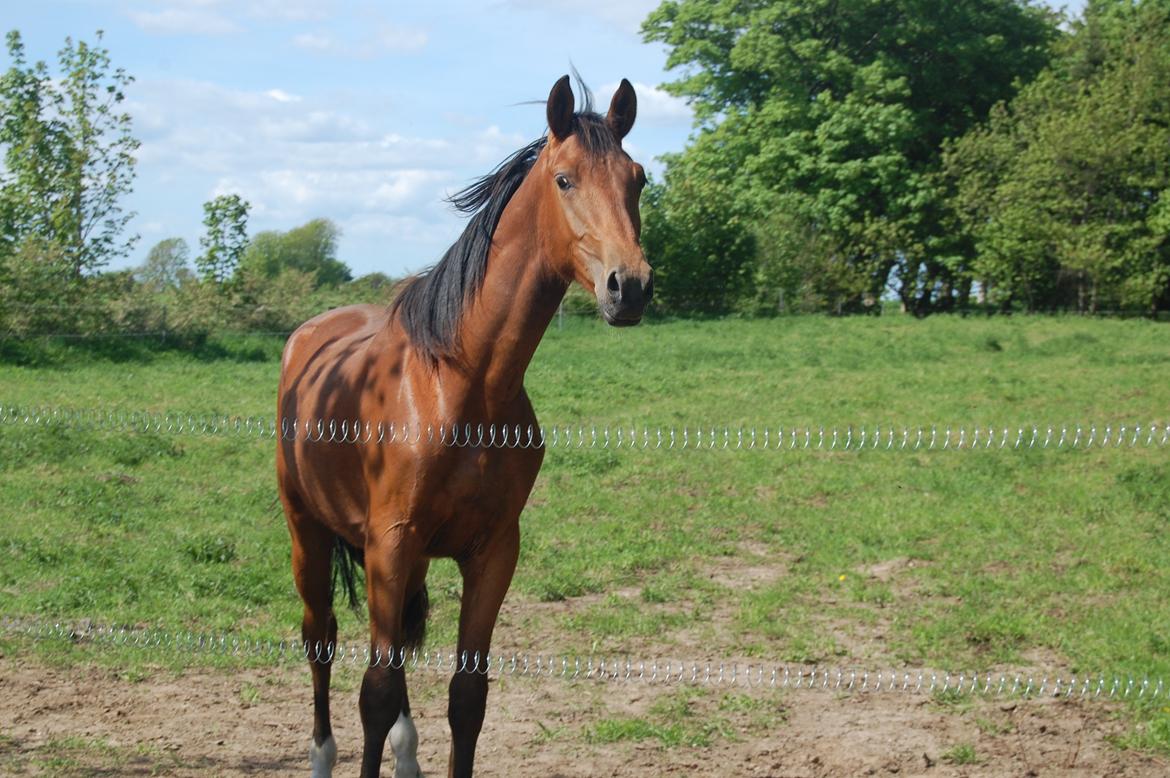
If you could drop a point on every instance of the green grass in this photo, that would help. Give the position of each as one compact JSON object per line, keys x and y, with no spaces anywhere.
{"x":950,"y":560}
{"x":673,"y":721}
{"x":78,"y":756}
{"x":964,"y":753}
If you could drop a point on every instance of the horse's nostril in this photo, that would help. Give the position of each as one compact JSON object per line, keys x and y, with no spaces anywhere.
{"x":612,"y":283}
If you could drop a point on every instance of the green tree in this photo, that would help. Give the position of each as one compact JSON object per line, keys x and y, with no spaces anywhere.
{"x":1064,"y":191}
{"x":34,"y":150}
{"x":37,"y":292}
{"x":836,"y":110}
{"x":166,"y":266}
{"x":68,"y":154}
{"x":310,"y":248}
{"x":696,"y":271}
{"x":375,"y":282}
{"x":226,"y":220}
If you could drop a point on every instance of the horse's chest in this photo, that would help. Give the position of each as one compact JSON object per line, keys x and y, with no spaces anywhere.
{"x":480,"y":492}
{"x":489,"y":482}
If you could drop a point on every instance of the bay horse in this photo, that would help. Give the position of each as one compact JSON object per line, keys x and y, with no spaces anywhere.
{"x":452,"y":348}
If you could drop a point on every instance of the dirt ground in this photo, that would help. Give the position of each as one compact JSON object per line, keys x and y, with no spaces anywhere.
{"x":256,"y":722}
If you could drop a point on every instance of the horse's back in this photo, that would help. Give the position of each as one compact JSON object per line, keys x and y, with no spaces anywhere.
{"x":338,"y":326}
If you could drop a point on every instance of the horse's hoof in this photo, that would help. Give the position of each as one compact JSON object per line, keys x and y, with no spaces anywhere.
{"x":322,"y":758}
{"x":408,"y":770}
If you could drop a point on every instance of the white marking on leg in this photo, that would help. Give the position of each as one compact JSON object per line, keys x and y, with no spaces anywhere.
{"x":322,"y":758}
{"x":404,"y":741}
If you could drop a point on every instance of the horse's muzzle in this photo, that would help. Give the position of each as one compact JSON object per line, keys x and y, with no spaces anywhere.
{"x":625,"y":297}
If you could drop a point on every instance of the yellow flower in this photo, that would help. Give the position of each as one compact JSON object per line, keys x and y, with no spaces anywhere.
{"x":841,"y":577}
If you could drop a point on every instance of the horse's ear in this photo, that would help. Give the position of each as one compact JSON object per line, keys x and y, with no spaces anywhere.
{"x":560,"y":109}
{"x":622,"y":110}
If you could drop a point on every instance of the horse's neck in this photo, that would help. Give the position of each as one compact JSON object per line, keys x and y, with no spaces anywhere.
{"x":503,"y":325}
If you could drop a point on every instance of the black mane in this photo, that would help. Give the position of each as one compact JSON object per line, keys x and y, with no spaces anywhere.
{"x":431,"y":305}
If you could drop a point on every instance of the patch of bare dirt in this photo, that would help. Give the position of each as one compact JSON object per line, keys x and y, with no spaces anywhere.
{"x":889,"y":569}
{"x":753,"y":566}
{"x":256,"y":722}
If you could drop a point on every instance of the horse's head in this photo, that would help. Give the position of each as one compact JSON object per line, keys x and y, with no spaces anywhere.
{"x":596,"y":186}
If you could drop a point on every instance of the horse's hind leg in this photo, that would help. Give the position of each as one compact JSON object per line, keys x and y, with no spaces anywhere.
{"x":312,"y":550}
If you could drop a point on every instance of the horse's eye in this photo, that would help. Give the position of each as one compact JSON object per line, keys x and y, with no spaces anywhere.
{"x":563,"y":182}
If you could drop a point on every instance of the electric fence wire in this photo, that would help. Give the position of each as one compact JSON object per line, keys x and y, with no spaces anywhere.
{"x":577,"y":436}
{"x":569,"y":668}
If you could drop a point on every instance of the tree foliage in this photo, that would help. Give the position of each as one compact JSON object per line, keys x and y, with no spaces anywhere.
{"x":68,"y":155}
{"x":832,"y":113}
{"x":68,"y":160}
{"x":310,"y":248}
{"x":708,"y":268}
{"x":1066,"y":191}
{"x":166,"y":266}
{"x":225,"y":218}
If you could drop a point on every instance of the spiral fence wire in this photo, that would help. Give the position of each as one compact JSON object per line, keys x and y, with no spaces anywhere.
{"x":573,"y":668}
{"x":618,"y":437}
{"x":660,"y":672}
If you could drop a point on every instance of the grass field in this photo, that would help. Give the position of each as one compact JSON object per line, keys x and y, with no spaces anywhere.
{"x":973,"y":560}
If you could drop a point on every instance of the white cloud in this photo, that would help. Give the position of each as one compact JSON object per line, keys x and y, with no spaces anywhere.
{"x":400,"y":244}
{"x":281,"y":96}
{"x":294,"y":158}
{"x":222,"y":17}
{"x":205,"y":123}
{"x":286,"y":10}
{"x":384,"y":39}
{"x":406,"y":228}
{"x":401,"y":186}
{"x":314,"y":41}
{"x":400,"y":39}
{"x":184,"y":21}
{"x":295,"y":193}
{"x":490,"y":146}
{"x":654,"y":105}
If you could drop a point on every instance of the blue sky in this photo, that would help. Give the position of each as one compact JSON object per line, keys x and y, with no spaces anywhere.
{"x":366,"y":113}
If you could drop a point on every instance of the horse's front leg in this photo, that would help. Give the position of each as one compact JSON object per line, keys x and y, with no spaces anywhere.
{"x":486,"y":577}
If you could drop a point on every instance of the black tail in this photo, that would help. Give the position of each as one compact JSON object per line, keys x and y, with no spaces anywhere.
{"x":414,"y":618}
{"x":347,"y":560}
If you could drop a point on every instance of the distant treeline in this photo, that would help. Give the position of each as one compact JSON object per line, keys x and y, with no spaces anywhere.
{"x":984,"y":153}
{"x":282,"y":280}
{"x":978,"y":155}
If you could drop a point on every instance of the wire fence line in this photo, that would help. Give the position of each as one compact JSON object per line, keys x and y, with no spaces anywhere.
{"x":10,"y":336}
{"x":155,"y":325}
{"x":599,"y":669}
{"x":615,"y":437}
{"x":623,"y":669}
